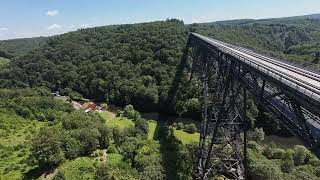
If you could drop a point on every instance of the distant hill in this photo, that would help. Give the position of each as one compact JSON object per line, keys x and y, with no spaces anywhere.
{"x":17,"y":47}
{"x":284,"y":20}
{"x":294,"y":38}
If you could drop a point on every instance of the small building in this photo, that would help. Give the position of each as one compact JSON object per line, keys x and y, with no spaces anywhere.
{"x":76,"y":105}
{"x":88,"y":110}
{"x":89,"y":105}
{"x":57,"y":94}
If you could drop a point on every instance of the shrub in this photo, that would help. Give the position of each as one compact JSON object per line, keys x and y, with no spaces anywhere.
{"x":227,"y":151}
{"x":174,"y":124}
{"x":314,"y":162}
{"x":141,"y":125}
{"x":258,"y":134}
{"x":287,"y":165}
{"x":278,"y":153}
{"x":41,"y":117}
{"x":288,"y":154}
{"x":253,"y":145}
{"x":180,"y":126}
{"x":24,"y":112}
{"x":193,"y":105}
{"x":130,"y":113}
{"x":309,"y":156}
{"x":317,"y":171}
{"x":104,"y":106}
{"x":305,"y":173}
{"x":74,"y":95}
{"x":59,"y":176}
{"x":268,"y":152}
{"x":46,"y":148}
{"x":112,"y":149}
{"x":265,"y":170}
{"x":119,"y":113}
{"x":103,"y":172}
{"x":71,"y":147}
{"x":190,"y":128}
{"x":300,"y":155}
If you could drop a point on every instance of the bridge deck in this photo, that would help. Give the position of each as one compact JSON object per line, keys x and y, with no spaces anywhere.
{"x":305,"y":81}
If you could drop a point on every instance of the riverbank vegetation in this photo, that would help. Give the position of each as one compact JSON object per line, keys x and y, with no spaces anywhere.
{"x":79,"y":145}
{"x":267,"y":161}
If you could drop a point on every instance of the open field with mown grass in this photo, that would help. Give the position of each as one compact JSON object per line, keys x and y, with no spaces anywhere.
{"x":186,"y":138}
{"x":181,"y":135}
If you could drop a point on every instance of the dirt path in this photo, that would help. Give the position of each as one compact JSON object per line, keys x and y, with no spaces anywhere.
{"x":49,"y":175}
{"x":104,"y":156}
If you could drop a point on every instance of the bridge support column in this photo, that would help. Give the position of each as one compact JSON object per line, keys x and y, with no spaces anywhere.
{"x":223,"y":72}
{"x":222,"y":136}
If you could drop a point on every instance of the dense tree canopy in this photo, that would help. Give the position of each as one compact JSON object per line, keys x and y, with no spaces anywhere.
{"x":136,"y":64}
{"x":17,"y":47}
{"x":120,"y":64}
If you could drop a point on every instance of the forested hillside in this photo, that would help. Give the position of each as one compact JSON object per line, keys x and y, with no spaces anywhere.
{"x":18,"y":47}
{"x":136,"y":63}
{"x":120,"y":64}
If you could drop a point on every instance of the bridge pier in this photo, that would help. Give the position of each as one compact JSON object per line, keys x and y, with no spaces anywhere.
{"x":223,"y":128}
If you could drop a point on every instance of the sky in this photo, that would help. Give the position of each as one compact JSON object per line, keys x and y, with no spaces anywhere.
{"x":33,"y":18}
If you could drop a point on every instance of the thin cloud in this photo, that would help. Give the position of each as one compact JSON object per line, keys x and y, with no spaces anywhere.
{"x":54,"y":27}
{"x":84,"y":26}
{"x":52,"y":12}
{"x":3,"y":29}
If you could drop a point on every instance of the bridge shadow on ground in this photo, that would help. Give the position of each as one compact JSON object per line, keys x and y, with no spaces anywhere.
{"x":177,"y":80}
{"x":168,"y":148}
{"x":35,"y":173}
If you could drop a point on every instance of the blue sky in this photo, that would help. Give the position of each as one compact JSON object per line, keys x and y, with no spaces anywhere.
{"x":30,"y":18}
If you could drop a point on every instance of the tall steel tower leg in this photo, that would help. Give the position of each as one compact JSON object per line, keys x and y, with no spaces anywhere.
{"x":221,"y":148}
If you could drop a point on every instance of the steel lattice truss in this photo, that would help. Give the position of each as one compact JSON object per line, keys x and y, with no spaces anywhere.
{"x":225,"y":84}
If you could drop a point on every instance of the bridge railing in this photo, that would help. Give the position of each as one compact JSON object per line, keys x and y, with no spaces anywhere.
{"x":289,"y":81}
{"x":312,"y":67}
{"x":278,"y":76}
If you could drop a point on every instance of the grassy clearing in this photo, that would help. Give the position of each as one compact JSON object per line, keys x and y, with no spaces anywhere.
{"x":114,"y":159}
{"x":112,"y":121}
{"x":120,"y":122}
{"x":4,"y":61}
{"x":80,"y":168}
{"x":107,"y":115}
{"x":15,"y":136}
{"x":186,"y":138}
{"x":152,"y":129}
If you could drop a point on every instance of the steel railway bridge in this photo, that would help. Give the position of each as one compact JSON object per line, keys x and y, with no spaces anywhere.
{"x":228,"y":74}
